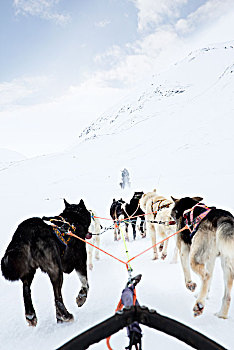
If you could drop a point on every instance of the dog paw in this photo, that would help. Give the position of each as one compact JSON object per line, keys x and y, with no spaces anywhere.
{"x":198,"y":309}
{"x":91,"y":266}
{"x":163,"y":256}
{"x":143,"y":235}
{"x":81,"y":299}
{"x":191,"y":286}
{"x":63,"y":318}
{"x":155,"y":257}
{"x":32,"y":320}
{"x":221,"y":315}
{"x":62,"y":315}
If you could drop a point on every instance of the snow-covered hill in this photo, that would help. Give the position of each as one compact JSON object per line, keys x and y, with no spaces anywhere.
{"x":174,"y":133}
{"x":9,"y":157}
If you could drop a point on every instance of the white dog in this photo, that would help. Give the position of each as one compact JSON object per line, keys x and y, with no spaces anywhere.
{"x":95,"y":229}
{"x":158,"y":220}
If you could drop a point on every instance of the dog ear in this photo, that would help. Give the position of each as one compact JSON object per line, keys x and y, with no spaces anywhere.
{"x":66,"y":203}
{"x":81,"y":204}
{"x":174,"y":199}
{"x":199,"y":199}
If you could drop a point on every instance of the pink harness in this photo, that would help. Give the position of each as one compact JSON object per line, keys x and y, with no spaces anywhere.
{"x":193,"y":222}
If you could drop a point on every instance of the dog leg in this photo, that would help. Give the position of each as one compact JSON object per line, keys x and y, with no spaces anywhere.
{"x":163,"y":246}
{"x":153,"y":239}
{"x":97,"y":243}
{"x":184,"y":258}
{"x":175,"y":256}
{"x":90,"y":257}
{"x":115,"y":233}
{"x":62,"y":314}
{"x":164,"y":251}
{"x":205,"y":276}
{"x":228,"y":282}
{"x":142,"y":228}
{"x":125,"y":228}
{"x":134,"y":228}
{"x":82,"y":296}
{"x":210,"y":267}
{"x":30,"y":314}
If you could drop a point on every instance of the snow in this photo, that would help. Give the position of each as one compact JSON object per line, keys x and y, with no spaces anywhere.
{"x":9,"y":157}
{"x":174,"y":133}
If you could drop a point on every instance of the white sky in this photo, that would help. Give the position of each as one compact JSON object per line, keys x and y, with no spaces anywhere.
{"x":64,"y":62}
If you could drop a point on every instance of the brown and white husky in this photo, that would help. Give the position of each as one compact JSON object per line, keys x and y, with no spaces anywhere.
{"x":201,"y":243}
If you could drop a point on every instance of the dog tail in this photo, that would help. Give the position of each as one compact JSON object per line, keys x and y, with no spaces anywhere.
{"x":11,"y":265}
{"x":225,"y":236}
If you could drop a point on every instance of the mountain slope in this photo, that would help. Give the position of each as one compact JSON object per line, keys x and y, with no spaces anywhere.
{"x":174,"y":133}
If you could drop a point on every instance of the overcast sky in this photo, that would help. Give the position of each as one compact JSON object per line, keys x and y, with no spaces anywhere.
{"x":89,"y":53}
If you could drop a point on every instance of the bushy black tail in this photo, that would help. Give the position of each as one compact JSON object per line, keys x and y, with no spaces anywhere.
{"x":10,"y":266}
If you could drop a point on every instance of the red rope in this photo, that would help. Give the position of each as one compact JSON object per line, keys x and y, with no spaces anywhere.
{"x":83,"y":240}
{"x":127,"y":262}
{"x":129,"y":217}
{"x":184,"y":228}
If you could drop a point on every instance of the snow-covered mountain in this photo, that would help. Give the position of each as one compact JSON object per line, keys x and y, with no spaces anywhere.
{"x":8,"y":157}
{"x":174,"y":133}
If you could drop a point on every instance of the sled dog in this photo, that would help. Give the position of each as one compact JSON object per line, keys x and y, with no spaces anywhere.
{"x":134,"y":211}
{"x":94,"y":229}
{"x":209,"y":233}
{"x":46,"y":244}
{"x":117,"y":214}
{"x":158,"y":221}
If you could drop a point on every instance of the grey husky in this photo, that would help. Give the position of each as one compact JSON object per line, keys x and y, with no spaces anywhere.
{"x":209,"y":233}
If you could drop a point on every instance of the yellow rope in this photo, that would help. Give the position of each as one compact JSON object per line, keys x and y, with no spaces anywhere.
{"x":126,"y":248}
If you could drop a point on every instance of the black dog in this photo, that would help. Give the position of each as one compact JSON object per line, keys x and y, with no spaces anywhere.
{"x":35,"y":245}
{"x":133,"y":209}
{"x":117,"y":214}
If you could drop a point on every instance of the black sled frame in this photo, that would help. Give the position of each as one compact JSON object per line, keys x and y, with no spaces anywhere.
{"x":147,"y":317}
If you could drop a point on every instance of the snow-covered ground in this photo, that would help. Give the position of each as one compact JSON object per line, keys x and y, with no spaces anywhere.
{"x":8,"y":157}
{"x":174,"y":133}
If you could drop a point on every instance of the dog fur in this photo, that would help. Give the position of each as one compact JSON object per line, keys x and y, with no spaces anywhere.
{"x":117,"y":214}
{"x":94,"y":229}
{"x":133,"y":209}
{"x":150,"y":204}
{"x":34,"y":245}
{"x":214,"y":237}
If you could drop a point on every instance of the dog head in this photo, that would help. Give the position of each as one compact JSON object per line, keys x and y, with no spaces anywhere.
{"x":138,"y":195}
{"x":78,"y":215}
{"x":180,"y":205}
{"x":116,"y":208}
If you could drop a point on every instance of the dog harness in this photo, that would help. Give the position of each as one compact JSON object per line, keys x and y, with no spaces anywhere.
{"x":62,"y":231}
{"x":160,"y":206}
{"x":61,"y":228}
{"x":64,"y":237}
{"x":192,"y":220}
